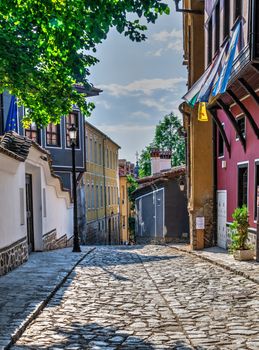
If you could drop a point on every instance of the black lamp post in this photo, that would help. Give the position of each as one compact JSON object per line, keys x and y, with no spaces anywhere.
{"x":73,"y":137}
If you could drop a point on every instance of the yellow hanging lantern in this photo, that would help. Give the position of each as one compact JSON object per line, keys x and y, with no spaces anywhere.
{"x":202,"y":112}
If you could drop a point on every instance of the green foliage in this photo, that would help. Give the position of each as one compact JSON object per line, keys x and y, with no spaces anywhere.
{"x":46,"y":45}
{"x":132,"y":186}
{"x":166,"y":138}
{"x":239,"y":229}
{"x":132,"y":222}
{"x":145,"y":162}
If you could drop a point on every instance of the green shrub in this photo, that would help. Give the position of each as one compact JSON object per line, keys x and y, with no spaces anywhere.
{"x":239,"y":229}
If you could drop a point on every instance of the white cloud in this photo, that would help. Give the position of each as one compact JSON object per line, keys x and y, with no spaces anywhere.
{"x":162,"y":105}
{"x":140,"y":114}
{"x":118,"y":128}
{"x":105,"y":104}
{"x":145,"y":86}
{"x":165,"y":35}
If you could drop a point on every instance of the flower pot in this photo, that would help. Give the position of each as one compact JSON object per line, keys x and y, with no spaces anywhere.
{"x":244,"y":255}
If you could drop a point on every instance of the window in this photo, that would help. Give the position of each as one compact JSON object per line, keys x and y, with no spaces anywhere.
{"x":97,"y":196}
{"x":72,"y":119}
{"x":238,"y":8}
{"x":220,"y":144}
{"x":53,"y":135}
{"x":123,"y":194}
{"x":33,"y":133}
{"x":91,"y":150}
{"x":109,"y":195}
{"x":107,"y":158}
{"x":92,"y":195}
{"x":226,"y":18}
{"x":101,"y":195}
{"x":217,"y":28}
{"x":242,"y":126}
{"x":95,"y":152}
{"x":242,"y":184}
{"x":209,"y":42}
{"x":100,"y":154}
{"x":256,"y":185}
{"x":111,"y":165}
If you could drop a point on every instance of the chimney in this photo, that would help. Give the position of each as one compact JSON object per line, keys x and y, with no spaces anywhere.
{"x":155,"y":161}
{"x":160,"y":161}
{"x":165,"y":160}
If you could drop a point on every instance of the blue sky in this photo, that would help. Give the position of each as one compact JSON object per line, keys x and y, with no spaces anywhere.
{"x":141,"y":82}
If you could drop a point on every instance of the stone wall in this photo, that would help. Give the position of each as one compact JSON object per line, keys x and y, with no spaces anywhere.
{"x":50,"y":241}
{"x":13,"y":256}
{"x":210,"y":225}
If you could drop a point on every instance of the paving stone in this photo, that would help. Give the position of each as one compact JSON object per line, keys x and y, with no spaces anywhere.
{"x":151,"y":297}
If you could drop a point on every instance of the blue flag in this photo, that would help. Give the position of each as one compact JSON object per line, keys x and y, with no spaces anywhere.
{"x":224,"y":76}
{"x":205,"y":91}
{"x":11,"y":121}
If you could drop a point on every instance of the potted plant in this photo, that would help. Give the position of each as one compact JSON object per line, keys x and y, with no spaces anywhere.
{"x":239,"y":234}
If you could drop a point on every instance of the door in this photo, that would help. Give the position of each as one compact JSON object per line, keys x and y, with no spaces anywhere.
{"x":222,"y":219}
{"x":29,"y":212}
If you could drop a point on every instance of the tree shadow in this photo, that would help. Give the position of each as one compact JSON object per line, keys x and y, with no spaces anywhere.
{"x":96,"y":337}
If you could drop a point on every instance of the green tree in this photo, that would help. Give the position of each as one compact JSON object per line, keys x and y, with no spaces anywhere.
{"x":145,"y":162}
{"x":46,"y":45}
{"x":166,"y":138}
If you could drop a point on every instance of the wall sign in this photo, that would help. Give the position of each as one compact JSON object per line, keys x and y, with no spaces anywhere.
{"x":200,"y":223}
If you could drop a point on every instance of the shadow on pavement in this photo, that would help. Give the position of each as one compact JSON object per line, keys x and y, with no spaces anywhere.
{"x":96,"y":337}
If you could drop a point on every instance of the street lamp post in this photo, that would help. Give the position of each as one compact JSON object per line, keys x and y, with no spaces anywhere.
{"x":73,"y":137}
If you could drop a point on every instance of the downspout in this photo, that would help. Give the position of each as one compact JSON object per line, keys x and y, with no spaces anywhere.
{"x":187,"y":146}
{"x":104,"y":187}
{"x":215,"y":181}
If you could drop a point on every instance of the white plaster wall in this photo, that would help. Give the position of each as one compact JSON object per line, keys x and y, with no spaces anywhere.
{"x":58,"y":211}
{"x":11,"y":179}
{"x":58,"y":216}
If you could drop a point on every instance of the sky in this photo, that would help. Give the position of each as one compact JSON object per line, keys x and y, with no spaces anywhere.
{"x":141,"y":83}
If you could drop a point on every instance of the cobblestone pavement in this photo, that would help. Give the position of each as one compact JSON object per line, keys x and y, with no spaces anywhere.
{"x":24,"y":290}
{"x":150,"y":297}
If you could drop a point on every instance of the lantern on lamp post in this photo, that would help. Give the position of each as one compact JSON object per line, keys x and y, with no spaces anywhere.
{"x":72,"y":131}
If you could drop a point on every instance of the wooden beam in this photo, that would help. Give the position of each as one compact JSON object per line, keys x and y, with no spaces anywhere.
{"x":249,"y":89}
{"x":246,"y":112}
{"x":213,"y":112}
{"x":233,"y":121}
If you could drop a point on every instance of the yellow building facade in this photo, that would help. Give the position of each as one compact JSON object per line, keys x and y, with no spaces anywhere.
{"x":199,"y":135}
{"x":101,"y":187}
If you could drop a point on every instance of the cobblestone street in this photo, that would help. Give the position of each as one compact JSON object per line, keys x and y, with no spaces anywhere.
{"x":148,"y":298}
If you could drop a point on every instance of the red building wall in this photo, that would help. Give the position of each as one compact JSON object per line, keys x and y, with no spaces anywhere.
{"x":228,"y":177}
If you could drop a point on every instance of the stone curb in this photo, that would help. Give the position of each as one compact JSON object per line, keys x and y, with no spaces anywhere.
{"x":217,"y":263}
{"x":39,"y":307}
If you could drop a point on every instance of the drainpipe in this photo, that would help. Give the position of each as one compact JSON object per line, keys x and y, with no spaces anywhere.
{"x":187,"y":146}
{"x":215,"y":181}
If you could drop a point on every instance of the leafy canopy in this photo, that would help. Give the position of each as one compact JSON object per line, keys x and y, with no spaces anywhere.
{"x":45,"y":48}
{"x":166,"y":138}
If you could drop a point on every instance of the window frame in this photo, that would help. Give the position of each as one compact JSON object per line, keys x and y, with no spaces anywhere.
{"x":241,"y":166}
{"x":58,"y":145}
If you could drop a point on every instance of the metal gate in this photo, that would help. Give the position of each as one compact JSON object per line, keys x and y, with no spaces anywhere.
{"x":150,"y":214}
